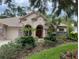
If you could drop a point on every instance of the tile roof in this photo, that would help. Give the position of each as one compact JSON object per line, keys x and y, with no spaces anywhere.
{"x":16,"y":21}
{"x":11,"y":22}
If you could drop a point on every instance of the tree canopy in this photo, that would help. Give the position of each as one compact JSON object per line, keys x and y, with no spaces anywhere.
{"x":13,"y":10}
{"x":69,"y":6}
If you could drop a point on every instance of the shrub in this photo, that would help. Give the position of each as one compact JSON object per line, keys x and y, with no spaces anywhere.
{"x":50,"y":40}
{"x":62,"y":38}
{"x":73,"y":36}
{"x":51,"y":37}
{"x":13,"y":49}
{"x":26,"y":41}
{"x":9,"y":51}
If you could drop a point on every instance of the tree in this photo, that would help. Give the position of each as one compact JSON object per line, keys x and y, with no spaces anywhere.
{"x":69,"y":6}
{"x":21,"y":11}
{"x":0,"y":2}
{"x":40,"y":4}
{"x":14,"y":10}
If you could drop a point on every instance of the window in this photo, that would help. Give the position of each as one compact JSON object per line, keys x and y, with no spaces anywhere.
{"x":33,"y":19}
{"x":61,"y":29}
{"x":27,"y":30}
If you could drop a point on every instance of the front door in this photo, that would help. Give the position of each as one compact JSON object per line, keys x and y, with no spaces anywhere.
{"x":39,"y":31}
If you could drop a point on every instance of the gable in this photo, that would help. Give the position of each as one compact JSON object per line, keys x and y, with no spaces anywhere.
{"x":33,"y":19}
{"x":33,"y":16}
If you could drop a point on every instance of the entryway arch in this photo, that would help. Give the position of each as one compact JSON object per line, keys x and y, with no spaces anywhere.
{"x":39,"y":31}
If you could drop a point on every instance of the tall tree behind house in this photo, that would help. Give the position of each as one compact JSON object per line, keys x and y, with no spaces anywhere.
{"x":13,"y":10}
{"x":69,"y":6}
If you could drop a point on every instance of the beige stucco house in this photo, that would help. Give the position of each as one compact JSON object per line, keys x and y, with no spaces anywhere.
{"x":11,"y":28}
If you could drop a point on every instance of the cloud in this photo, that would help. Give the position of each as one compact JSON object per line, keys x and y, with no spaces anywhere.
{"x":22,"y":2}
{"x":3,"y":7}
{"x":49,"y":7}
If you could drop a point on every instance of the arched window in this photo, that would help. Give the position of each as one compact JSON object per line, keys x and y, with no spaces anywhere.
{"x":27,"y":30}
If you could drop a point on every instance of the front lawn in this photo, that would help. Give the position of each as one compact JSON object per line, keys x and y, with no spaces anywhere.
{"x":54,"y":53}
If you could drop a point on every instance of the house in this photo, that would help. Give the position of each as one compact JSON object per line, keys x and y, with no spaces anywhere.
{"x":32,"y":24}
{"x":62,"y":31}
{"x":11,"y":28}
{"x":62,"y":28}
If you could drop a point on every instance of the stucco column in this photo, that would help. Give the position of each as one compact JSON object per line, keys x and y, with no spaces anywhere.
{"x":33,"y":32}
{"x":45,"y":31}
{"x":44,"y":34}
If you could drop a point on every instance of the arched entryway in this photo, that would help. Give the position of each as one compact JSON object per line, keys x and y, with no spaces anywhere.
{"x":39,"y":31}
{"x":27,"y":30}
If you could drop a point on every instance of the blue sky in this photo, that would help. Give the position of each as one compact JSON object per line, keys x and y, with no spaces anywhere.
{"x":2,"y":7}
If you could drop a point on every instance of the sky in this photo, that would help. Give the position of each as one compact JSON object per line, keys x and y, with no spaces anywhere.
{"x":17,"y":2}
{"x":2,"y":7}
{"x":26,"y":4}
{"x":22,"y":2}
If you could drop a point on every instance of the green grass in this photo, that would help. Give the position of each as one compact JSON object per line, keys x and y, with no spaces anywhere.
{"x":54,"y":53}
